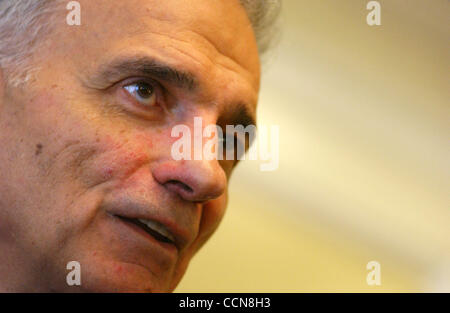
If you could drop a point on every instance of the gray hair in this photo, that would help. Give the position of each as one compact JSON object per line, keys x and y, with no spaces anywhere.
{"x":263,"y":16}
{"x":23,"y":21}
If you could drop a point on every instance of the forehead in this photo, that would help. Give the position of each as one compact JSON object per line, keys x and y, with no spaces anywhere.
{"x":200,"y":35}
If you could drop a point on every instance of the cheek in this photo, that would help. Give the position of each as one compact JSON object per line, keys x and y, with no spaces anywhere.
{"x":145,"y":140}
{"x":119,"y":160}
{"x":123,"y":154}
{"x":212,"y":214}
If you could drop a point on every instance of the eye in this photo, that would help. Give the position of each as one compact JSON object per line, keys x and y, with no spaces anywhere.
{"x":143,"y":92}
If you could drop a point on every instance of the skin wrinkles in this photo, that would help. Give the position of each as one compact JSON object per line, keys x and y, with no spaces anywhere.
{"x":135,"y":59}
{"x":217,"y":58}
{"x":236,"y":70}
{"x":213,"y":55}
{"x":74,"y":149}
{"x":144,"y":65}
{"x":203,"y":32}
{"x":227,"y":63}
{"x":104,"y":154}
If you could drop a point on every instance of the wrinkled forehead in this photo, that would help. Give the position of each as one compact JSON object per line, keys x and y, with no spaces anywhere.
{"x":217,"y":29}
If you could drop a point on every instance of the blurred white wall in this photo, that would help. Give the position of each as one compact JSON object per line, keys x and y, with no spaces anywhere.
{"x":364,"y":158}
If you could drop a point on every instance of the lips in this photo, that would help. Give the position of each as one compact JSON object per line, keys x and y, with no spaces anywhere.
{"x":151,"y":227}
{"x":171,"y":226}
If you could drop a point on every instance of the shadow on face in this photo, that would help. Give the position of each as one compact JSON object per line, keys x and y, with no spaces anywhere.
{"x":86,"y":163}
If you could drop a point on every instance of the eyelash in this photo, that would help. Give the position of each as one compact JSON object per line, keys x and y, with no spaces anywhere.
{"x":157,"y":91}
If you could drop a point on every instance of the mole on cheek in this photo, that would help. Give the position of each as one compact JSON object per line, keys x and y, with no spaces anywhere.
{"x":38,"y":149}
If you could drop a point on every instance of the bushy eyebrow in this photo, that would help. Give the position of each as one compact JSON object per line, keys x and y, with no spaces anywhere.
{"x":242,"y":116}
{"x":147,"y":66}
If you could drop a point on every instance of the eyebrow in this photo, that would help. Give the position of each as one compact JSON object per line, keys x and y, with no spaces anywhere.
{"x":242,"y":116}
{"x":147,"y":66}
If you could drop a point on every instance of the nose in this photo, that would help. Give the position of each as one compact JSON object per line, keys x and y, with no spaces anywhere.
{"x":193,"y":180}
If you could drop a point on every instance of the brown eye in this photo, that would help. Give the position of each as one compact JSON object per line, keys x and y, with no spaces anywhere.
{"x":143,"y":92}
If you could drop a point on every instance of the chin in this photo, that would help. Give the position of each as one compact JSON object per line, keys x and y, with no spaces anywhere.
{"x":120,"y":277}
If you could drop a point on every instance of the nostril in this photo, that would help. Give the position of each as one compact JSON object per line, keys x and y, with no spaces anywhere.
{"x":180,"y":185}
{"x":195,"y":182}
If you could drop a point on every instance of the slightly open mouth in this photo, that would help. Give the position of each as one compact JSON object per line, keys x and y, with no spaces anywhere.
{"x":149,"y":230}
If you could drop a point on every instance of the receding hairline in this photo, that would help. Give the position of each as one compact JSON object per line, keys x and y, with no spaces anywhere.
{"x":23,"y":21}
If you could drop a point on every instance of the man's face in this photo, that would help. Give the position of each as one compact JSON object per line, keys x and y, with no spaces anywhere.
{"x":86,"y":144}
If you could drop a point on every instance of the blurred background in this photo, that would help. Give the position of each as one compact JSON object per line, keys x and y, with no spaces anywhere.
{"x":364,"y":169}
